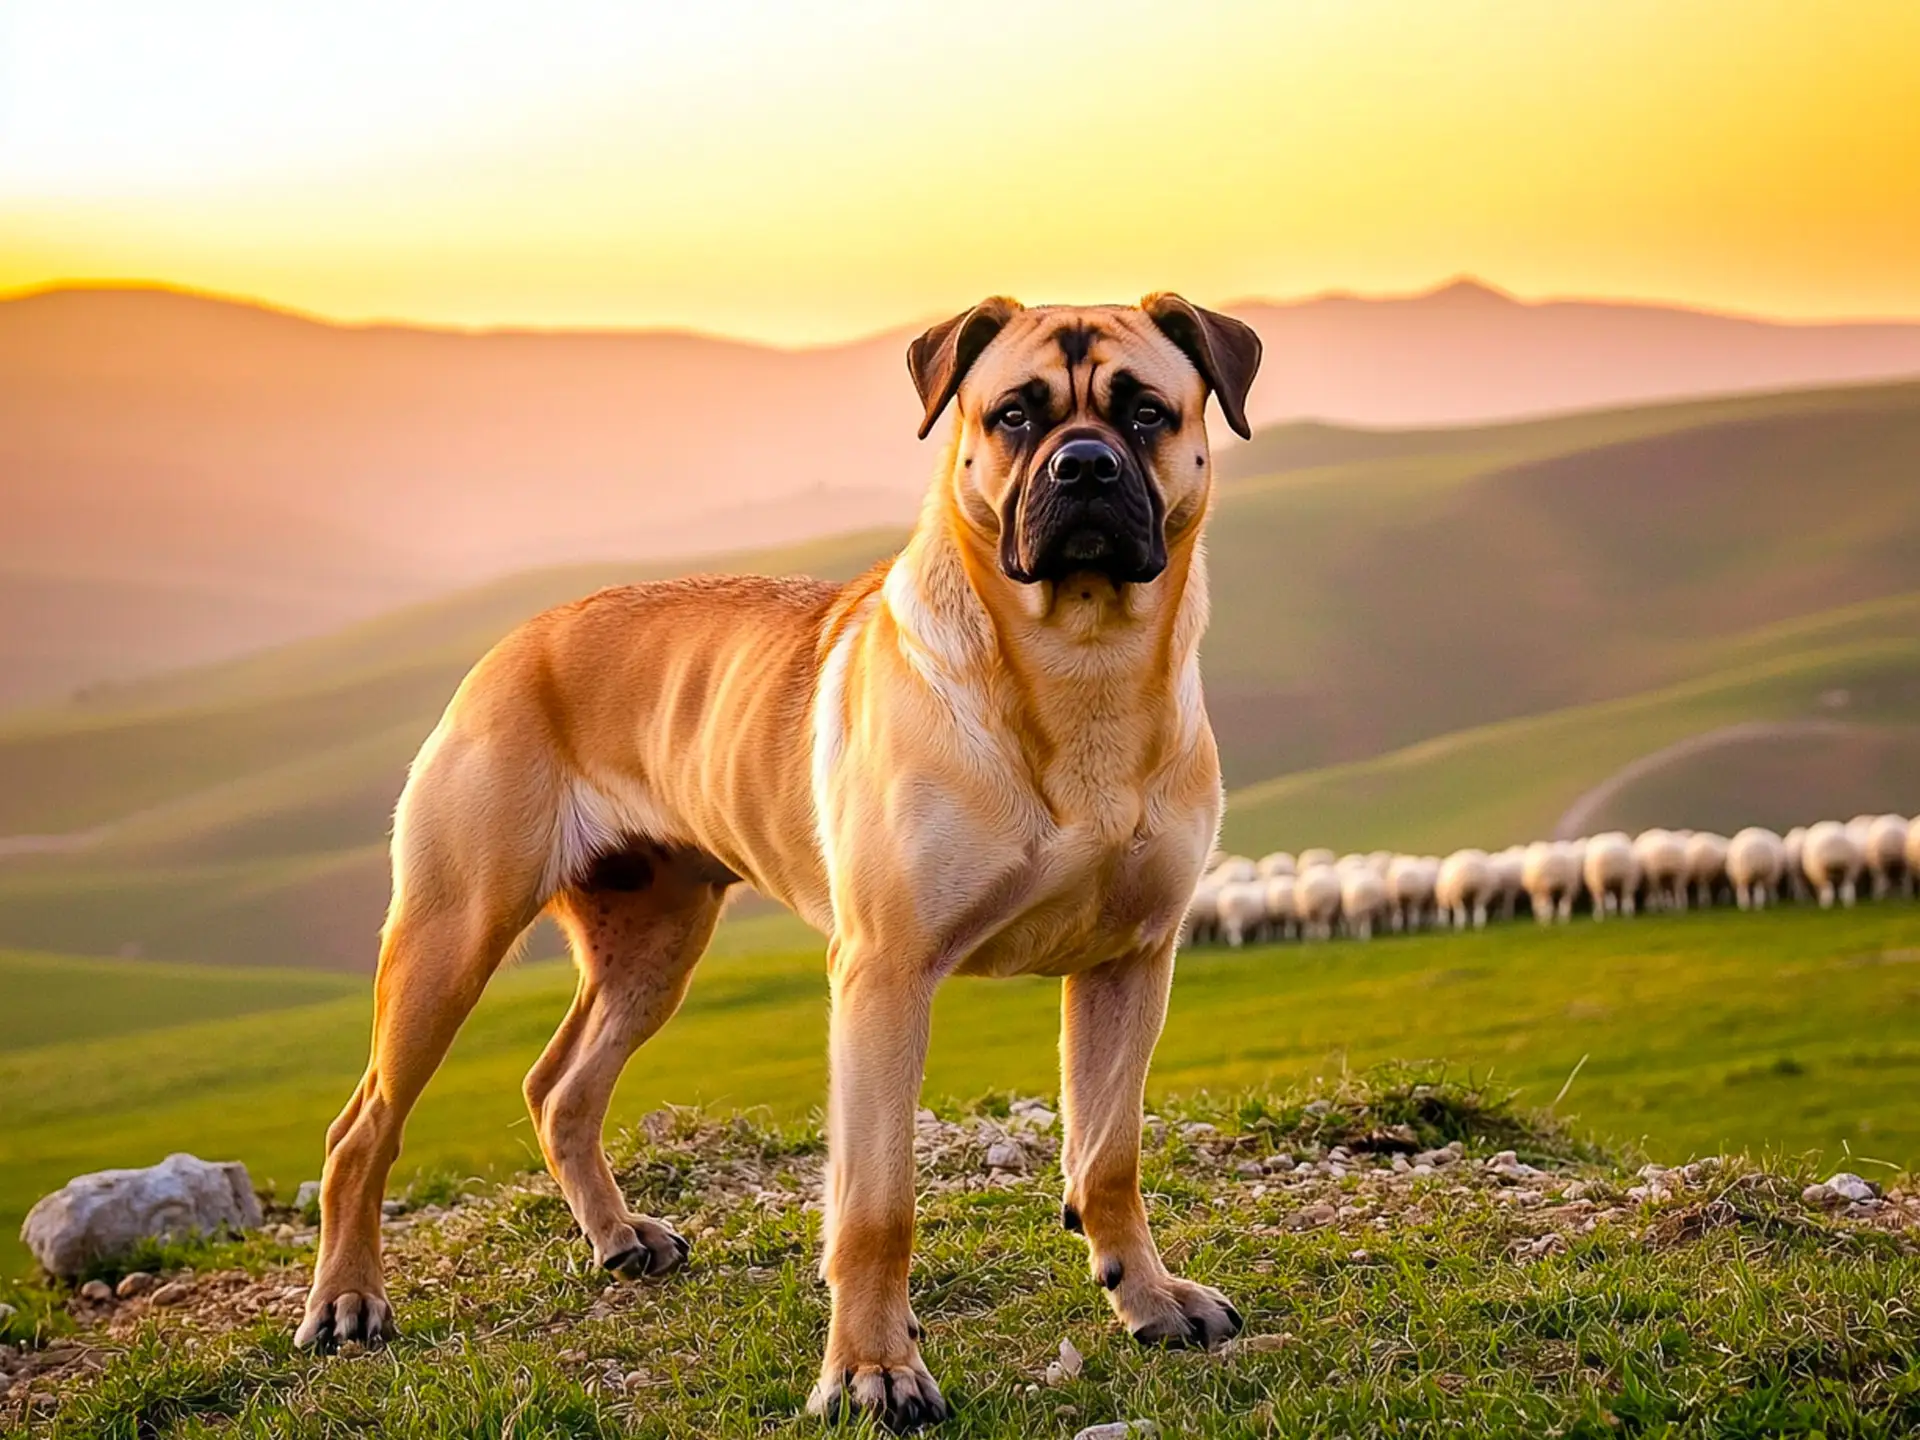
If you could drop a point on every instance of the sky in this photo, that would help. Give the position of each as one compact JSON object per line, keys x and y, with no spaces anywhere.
{"x":809,"y":172}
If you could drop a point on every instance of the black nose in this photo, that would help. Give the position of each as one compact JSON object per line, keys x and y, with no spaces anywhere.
{"x":1084,"y":462}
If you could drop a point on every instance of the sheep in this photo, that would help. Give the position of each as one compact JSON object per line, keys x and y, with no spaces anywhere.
{"x":1362,"y":894}
{"x":1278,"y":863}
{"x":1202,"y":921}
{"x":1756,"y":863}
{"x":1243,"y":911}
{"x":1410,"y":880}
{"x":1509,"y":879}
{"x":1310,"y":858}
{"x":1706,"y":866}
{"x":1913,"y":855}
{"x":1281,"y":920}
{"x":1316,"y":901}
{"x":1612,"y":874}
{"x":1796,"y":878}
{"x":1832,"y":863}
{"x":1662,"y":858}
{"x":1550,"y":874}
{"x":1235,"y":869}
{"x":1463,"y":888}
{"x":1886,"y":854}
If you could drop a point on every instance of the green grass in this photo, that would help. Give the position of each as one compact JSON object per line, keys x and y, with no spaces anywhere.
{"x":56,"y":999}
{"x":1683,"y":1022}
{"x":1725,"y":1307}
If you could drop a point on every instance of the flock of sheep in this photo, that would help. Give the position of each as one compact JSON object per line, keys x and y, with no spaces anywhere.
{"x":1315,"y":894}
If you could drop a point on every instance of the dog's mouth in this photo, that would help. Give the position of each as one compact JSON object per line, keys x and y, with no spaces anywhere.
{"x":1063,"y":520}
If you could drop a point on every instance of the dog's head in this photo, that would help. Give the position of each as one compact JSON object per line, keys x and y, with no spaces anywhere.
{"x":1081,"y":439}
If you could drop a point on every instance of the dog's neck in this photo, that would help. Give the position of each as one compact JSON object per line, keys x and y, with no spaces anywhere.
{"x":1090,"y":676}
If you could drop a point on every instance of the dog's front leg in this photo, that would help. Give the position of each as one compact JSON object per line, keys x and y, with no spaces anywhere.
{"x":882,"y":1011}
{"x":1111,"y":1019}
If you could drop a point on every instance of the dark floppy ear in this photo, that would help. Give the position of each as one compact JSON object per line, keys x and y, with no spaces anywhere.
{"x":1224,"y":351}
{"x":939,"y":360}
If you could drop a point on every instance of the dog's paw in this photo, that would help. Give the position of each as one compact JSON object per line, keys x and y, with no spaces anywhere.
{"x":347,"y":1317}
{"x":900,"y":1397}
{"x":1179,"y":1313}
{"x":649,"y":1251}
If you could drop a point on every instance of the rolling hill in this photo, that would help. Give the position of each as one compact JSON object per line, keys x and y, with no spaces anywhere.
{"x":187,"y":478}
{"x":1421,"y":638}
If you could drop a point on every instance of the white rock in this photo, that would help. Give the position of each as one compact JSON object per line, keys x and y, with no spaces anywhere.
{"x":1005,"y":1155}
{"x":101,"y":1216}
{"x":1070,"y":1359}
{"x":96,"y":1291}
{"x":1199,"y":1130}
{"x":1118,"y":1430}
{"x":307,"y":1194}
{"x":1850,"y":1188}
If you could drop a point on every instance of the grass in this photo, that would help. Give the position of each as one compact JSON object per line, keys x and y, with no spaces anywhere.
{"x":1797,"y":1030}
{"x":1469,"y":1301}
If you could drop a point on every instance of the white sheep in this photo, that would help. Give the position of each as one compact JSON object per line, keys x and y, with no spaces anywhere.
{"x":1410,"y":881}
{"x":1235,"y":869}
{"x":1243,"y":911}
{"x":1913,"y":855}
{"x":1832,"y":862}
{"x":1662,"y":858}
{"x":1277,"y":863}
{"x":1706,"y":866}
{"x":1362,"y":894}
{"x":1612,"y":874}
{"x":1463,"y":888}
{"x":1756,"y":864}
{"x":1281,"y":920}
{"x":1202,"y":922}
{"x":1886,"y":854}
{"x":1795,"y":842}
{"x":1310,"y":858}
{"x":1509,"y":878}
{"x":1550,"y":874}
{"x":1316,"y":901}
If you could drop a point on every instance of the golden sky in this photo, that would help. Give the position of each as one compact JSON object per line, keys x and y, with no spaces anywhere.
{"x":810,"y":171}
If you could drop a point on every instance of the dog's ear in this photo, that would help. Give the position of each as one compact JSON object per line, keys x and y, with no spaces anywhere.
{"x":1223,"y":350}
{"x":939,"y":360}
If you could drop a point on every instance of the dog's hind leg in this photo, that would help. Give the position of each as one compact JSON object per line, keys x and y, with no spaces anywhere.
{"x":463,"y":893}
{"x":638,"y":924}
{"x":1111,"y":1019}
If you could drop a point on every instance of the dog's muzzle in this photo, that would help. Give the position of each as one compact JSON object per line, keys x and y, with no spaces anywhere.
{"x":1084,"y":507}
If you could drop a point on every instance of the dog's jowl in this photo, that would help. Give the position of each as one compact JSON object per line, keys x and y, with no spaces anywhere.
{"x":988,"y":754}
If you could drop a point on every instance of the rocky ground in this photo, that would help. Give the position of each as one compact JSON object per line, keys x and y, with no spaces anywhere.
{"x":1411,"y":1256}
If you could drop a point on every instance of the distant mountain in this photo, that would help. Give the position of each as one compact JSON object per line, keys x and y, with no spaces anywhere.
{"x":185,"y":477}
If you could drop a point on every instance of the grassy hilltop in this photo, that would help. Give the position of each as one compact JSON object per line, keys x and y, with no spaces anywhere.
{"x":1420,"y":639}
{"x":1526,"y":1284}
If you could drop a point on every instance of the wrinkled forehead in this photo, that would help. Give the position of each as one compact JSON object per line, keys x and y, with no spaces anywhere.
{"x":1071,"y":347}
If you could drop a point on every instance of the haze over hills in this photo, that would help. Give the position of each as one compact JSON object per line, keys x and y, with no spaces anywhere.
{"x":187,"y":478}
{"x":1420,"y":638}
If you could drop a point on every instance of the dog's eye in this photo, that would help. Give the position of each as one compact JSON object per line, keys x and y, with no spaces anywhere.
{"x":1012,"y":417}
{"x":1149,"y":415}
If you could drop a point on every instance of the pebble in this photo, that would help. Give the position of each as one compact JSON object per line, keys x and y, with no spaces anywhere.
{"x":1199,"y":1130}
{"x":1252,"y":1169}
{"x":135,"y":1283}
{"x":1851,"y":1188}
{"x":172,"y":1293}
{"x":96,"y":1292}
{"x":1070,"y":1359}
{"x":1276,"y":1163}
{"x":307,"y":1194}
{"x":1118,"y":1430}
{"x":393,"y":1209}
{"x":1322,"y":1214}
{"x":1005,"y":1155}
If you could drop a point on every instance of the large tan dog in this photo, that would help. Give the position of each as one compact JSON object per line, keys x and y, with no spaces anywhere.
{"x":988,"y":756}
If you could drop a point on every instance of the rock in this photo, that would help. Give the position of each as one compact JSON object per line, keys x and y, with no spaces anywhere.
{"x":1070,"y":1359}
{"x":1275,"y":1163}
{"x":1199,"y":1130}
{"x":307,"y":1194}
{"x":1005,"y":1155}
{"x":96,"y":1292}
{"x":98,"y":1217}
{"x":1251,"y":1169}
{"x":1118,"y":1430}
{"x":1321,"y":1214}
{"x":393,"y":1209}
{"x":135,"y":1283}
{"x":7,"y":1312}
{"x":1318,"y":1107}
{"x":172,"y":1293}
{"x":1818,"y":1194}
{"x":1851,"y":1188}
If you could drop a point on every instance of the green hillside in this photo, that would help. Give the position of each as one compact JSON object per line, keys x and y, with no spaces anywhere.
{"x":1418,"y":636}
{"x":1788,"y":1030}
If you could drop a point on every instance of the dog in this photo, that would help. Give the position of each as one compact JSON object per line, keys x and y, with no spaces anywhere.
{"x":988,"y":755}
